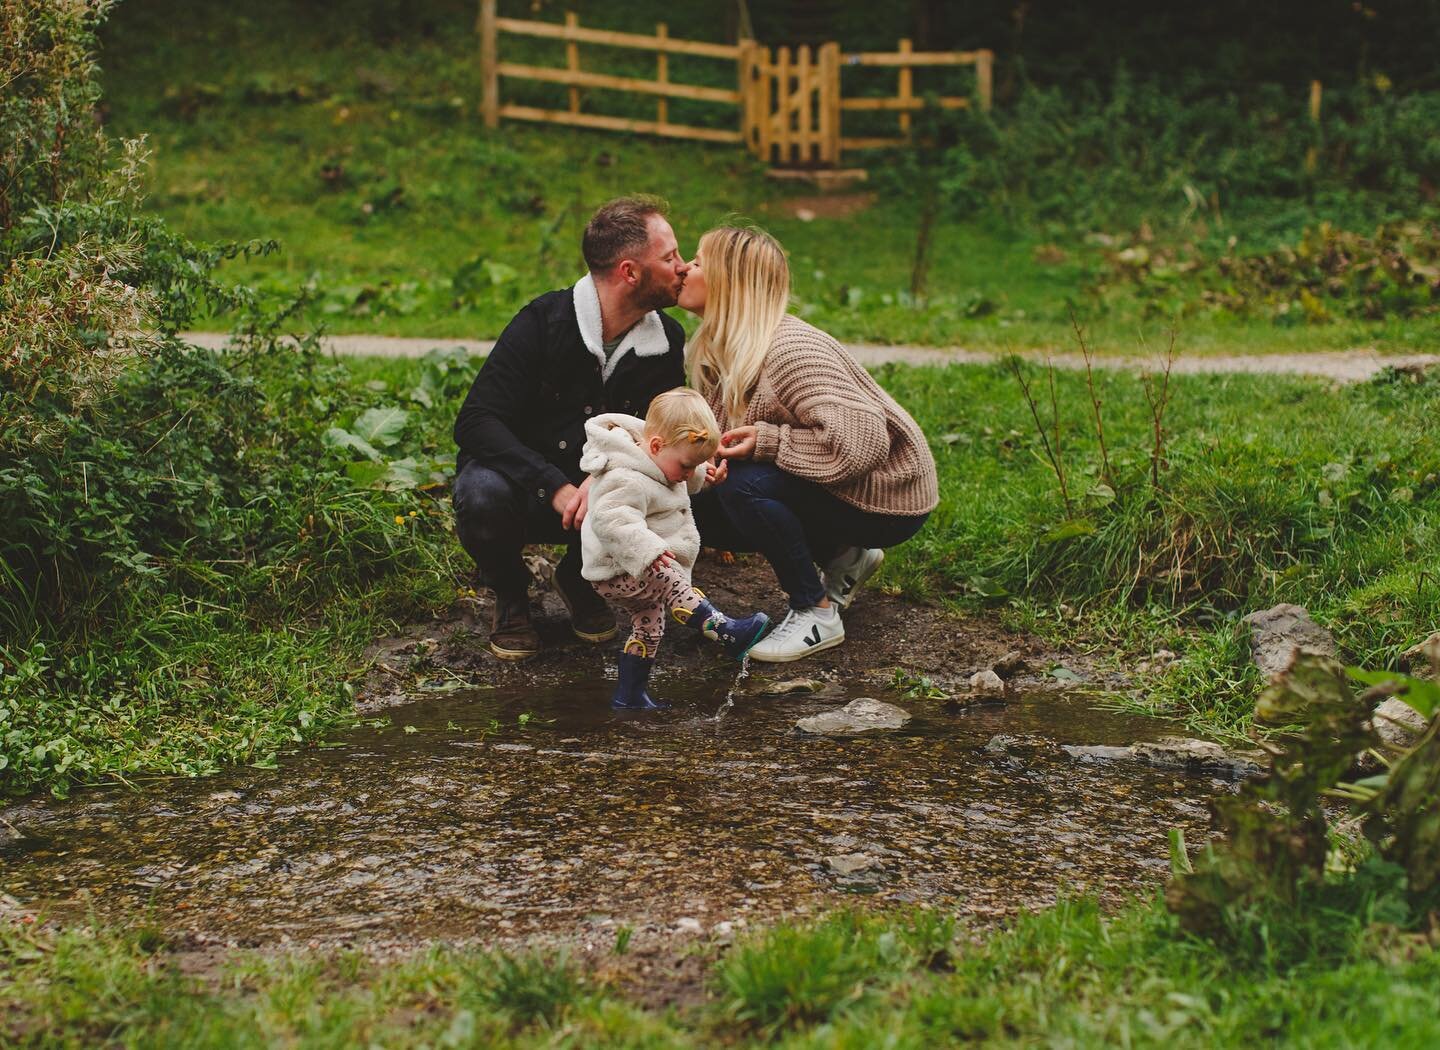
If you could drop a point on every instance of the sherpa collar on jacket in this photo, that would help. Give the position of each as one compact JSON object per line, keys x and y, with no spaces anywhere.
{"x":647,"y":338}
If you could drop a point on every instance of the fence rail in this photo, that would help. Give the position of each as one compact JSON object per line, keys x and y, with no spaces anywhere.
{"x":572,"y":76}
{"x":789,"y":103}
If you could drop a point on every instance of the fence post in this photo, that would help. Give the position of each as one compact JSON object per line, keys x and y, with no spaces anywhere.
{"x":830,"y":102}
{"x":782,"y":103}
{"x":907,"y":88}
{"x":804,"y":111}
{"x":572,"y":59}
{"x":1312,"y":155}
{"x":489,"y":60}
{"x":662,"y":71}
{"x":984,"y":77}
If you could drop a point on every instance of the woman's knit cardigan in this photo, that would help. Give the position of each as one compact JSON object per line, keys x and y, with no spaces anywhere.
{"x":821,"y":416}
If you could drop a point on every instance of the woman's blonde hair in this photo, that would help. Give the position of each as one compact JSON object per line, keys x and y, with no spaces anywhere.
{"x":681,"y":417}
{"x":747,"y":283}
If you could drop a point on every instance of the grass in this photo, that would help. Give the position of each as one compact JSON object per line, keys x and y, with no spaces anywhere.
{"x":1066,"y":976}
{"x":1277,"y":489}
{"x":357,"y":146}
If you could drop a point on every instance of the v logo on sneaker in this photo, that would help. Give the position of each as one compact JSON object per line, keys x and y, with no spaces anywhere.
{"x":813,"y":638}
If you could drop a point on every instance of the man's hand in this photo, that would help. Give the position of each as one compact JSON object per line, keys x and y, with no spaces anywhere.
{"x":738,"y":443}
{"x":573,"y":514}
{"x":715,"y":474}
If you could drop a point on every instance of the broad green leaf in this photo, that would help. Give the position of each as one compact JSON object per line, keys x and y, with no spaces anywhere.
{"x":421,"y":395}
{"x":338,"y":437}
{"x":1420,"y":693}
{"x":381,"y":427}
{"x":1069,"y":530}
{"x":367,"y":475}
{"x":404,"y":474}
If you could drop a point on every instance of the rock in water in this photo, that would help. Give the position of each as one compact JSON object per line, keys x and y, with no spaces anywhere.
{"x":1277,"y":634}
{"x":1171,"y":752}
{"x":987,"y":683}
{"x":859,"y":716}
{"x":850,"y":863}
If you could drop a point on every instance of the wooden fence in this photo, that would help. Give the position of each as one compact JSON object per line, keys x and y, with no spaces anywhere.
{"x":664,"y":45}
{"x":789,"y":103}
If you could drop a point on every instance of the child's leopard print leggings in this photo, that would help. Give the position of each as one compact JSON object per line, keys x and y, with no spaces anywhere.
{"x":648,"y":599}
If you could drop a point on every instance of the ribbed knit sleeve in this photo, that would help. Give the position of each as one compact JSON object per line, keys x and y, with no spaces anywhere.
{"x":839,"y":433}
{"x":820,"y":416}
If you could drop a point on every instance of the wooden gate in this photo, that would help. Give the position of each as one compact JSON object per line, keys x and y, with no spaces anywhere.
{"x":791,"y":103}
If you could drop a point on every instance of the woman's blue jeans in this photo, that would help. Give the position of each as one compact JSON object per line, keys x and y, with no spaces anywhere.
{"x":793,"y":522}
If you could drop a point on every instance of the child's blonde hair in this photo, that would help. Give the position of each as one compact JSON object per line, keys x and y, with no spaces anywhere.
{"x":681,"y":417}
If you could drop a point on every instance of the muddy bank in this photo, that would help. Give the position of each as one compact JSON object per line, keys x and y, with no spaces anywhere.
{"x":501,"y":803}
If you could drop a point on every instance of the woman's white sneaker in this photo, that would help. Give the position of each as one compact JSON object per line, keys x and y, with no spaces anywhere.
{"x":802,"y":632}
{"x":848,"y":572}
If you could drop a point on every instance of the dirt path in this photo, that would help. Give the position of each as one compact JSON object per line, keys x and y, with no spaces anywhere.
{"x":1344,"y":366}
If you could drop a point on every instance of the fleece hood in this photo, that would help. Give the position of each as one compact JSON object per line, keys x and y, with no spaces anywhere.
{"x":614,"y":440}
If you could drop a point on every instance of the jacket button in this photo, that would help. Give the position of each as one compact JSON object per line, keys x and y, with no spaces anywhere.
{"x":588,"y":410}
{"x":540,"y":493}
{"x":562,"y":444}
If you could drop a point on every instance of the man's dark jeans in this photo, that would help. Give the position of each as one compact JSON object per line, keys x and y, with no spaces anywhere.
{"x":494,"y":520}
{"x":793,"y":522}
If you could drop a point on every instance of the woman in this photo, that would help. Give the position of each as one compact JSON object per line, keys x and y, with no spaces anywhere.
{"x":825,"y":468}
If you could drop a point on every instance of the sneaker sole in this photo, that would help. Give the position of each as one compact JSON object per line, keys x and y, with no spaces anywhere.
{"x":516,"y":655}
{"x":787,"y":658}
{"x":842,"y":601}
{"x":594,"y":638}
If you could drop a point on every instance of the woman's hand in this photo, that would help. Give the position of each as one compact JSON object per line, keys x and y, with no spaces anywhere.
{"x":738,"y":443}
{"x":665,"y":559}
{"x":716,"y":473}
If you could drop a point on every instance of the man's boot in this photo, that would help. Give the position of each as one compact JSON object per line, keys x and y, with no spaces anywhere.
{"x":591,"y":618}
{"x":736,"y":636}
{"x":512,"y":631}
{"x":632,"y":692}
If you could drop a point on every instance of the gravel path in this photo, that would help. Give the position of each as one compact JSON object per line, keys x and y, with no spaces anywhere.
{"x":1344,"y":366}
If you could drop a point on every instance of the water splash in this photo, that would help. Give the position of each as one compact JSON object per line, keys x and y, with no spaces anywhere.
{"x":734,"y":690}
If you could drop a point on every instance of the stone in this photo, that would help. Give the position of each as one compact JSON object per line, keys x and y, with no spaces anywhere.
{"x":851,"y":863}
{"x":1276,"y":634}
{"x":864,"y":715}
{"x":1009,"y":665}
{"x":1397,"y":724}
{"x":1422,"y":653}
{"x":689,"y":925}
{"x":987,"y":683}
{"x":1171,"y":752}
{"x":1203,"y":756}
{"x":786,"y":687}
{"x":1096,"y":752}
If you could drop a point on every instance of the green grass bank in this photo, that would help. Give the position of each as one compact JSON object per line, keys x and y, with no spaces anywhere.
{"x":1065,"y":977}
{"x":350,"y":135}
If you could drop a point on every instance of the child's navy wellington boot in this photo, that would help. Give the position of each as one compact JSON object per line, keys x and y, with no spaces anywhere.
{"x":631,"y":692}
{"x":735,"y":636}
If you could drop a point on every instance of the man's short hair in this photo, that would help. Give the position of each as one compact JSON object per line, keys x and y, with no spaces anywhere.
{"x":619,"y":229}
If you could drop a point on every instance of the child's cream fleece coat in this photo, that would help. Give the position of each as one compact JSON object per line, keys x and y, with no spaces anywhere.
{"x":635,"y":515}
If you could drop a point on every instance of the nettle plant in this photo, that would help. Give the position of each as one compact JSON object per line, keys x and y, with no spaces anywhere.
{"x":1280,"y":840}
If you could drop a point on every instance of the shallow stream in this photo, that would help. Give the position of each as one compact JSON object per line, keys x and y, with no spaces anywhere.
{"x":500,"y":813}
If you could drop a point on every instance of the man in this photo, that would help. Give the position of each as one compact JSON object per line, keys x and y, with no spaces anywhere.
{"x":600,"y":346}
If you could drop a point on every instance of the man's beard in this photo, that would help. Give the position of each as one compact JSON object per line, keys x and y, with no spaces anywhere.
{"x":653,"y":295}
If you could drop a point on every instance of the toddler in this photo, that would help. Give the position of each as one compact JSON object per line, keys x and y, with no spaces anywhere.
{"x":639,"y":541}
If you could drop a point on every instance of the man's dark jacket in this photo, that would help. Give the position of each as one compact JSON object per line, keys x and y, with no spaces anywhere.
{"x":525,"y":414}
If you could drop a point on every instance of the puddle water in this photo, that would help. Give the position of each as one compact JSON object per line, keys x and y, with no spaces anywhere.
{"x":453,"y":828}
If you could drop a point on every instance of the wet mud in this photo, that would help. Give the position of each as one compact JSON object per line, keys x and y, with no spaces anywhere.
{"x":496,"y":803}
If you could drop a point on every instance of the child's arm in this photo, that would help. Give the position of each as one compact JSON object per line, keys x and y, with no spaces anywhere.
{"x":619,"y":524}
